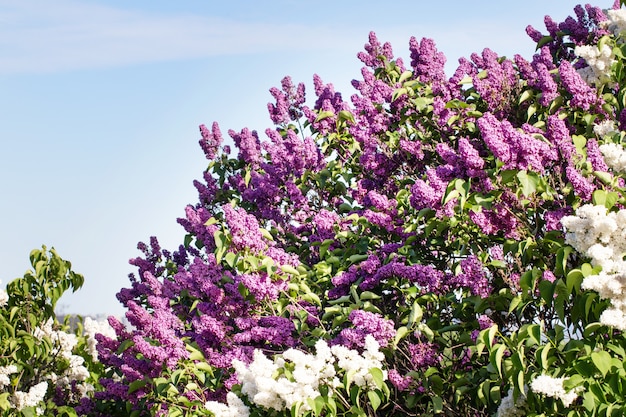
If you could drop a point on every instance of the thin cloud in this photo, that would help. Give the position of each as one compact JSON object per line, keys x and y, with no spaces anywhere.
{"x":39,"y":36}
{"x":42,"y":36}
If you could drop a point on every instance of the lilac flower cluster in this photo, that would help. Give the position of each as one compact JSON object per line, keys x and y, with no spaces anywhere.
{"x":289,"y":102}
{"x":222,"y":322}
{"x":366,"y":323}
{"x":517,"y":149}
{"x":586,"y":28}
{"x":499,"y":85}
{"x":537,"y":74}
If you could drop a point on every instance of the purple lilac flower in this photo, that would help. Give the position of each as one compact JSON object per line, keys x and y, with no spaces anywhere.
{"x":328,"y":101}
{"x":366,"y":323}
{"x":465,"y":68}
{"x":582,"y":186}
{"x":517,"y":149}
{"x":370,"y":265}
{"x":426,"y":277}
{"x":379,"y":201}
{"x":595,"y":156}
{"x":441,"y":113}
{"x":549,"y":276}
{"x":470,"y":157}
{"x":428,"y":63}
{"x":499,"y":84}
{"x":244,"y":229}
{"x":558,"y":133}
{"x":413,"y":148}
{"x":206,"y":191}
{"x":545,"y":82}
{"x":424,"y":196}
{"x":473,"y":277}
{"x":261,"y":286}
{"x":496,"y":220}
{"x":533,"y":33}
{"x":553,"y":218}
{"x":374,"y":50}
{"x":424,"y":355}
{"x":484,"y":322}
{"x":290,"y":155}
{"x":211,"y":140}
{"x":378,"y":219}
{"x":583,"y":96}
{"x":272,"y":330}
{"x":587,"y":28}
{"x":289,"y":101}
{"x":402,"y":383}
{"x":249,"y":145}
{"x":622,"y":120}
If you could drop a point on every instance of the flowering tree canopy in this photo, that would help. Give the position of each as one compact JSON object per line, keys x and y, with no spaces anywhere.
{"x":426,"y":214}
{"x":431,"y":245}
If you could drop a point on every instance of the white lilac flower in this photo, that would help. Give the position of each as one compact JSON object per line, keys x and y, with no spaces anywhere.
{"x":617,"y":21}
{"x":602,"y":237}
{"x":359,"y":366}
{"x":32,"y":398}
{"x":234,"y":407}
{"x":511,"y":407}
{"x":4,"y":297}
{"x":599,"y":63}
{"x":553,"y":387}
{"x":5,"y":371}
{"x":264,"y":382}
{"x":604,"y":128}
{"x":614,"y":156}
{"x":614,"y":317}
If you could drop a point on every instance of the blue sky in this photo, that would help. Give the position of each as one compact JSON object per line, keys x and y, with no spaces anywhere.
{"x":100,"y":102}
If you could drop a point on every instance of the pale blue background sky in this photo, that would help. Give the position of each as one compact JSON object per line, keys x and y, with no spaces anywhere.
{"x":100,"y":102}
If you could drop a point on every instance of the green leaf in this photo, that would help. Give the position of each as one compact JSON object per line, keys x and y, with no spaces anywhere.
{"x":528,"y":181}
{"x":591,"y":328}
{"x":400,"y":333}
{"x":375,"y":400}
{"x":135,"y":385}
{"x":602,"y":361}
{"x":437,"y":405}
{"x":544,"y":41}
{"x":534,"y":331}
{"x":497,"y":358}
{"x":220,"y":245}
{"x":318,"y":405}
{"x":377,"y":377}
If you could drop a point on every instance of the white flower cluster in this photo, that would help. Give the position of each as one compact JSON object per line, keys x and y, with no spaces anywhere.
{"x":599,"y":63}
{"x":553,"y":387}
{"x":92,"y":328}
{"x":4,"y":297}
{"x":64,"y":344}
{"x":5,"y":371}
{"x":234,"y":407}
{"x":604,"y":128}
{"x":614,"y":156}
{"x":617,"y":21}
{"x":294,"y":377}
{"x":602,"y":237}
{"x":32,"y":398}
{"x":510,"y":407}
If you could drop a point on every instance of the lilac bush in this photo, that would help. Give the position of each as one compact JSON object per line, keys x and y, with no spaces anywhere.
{"x":424,"y":214}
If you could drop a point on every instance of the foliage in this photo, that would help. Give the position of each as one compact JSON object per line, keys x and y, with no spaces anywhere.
{"x":44,"y":370}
